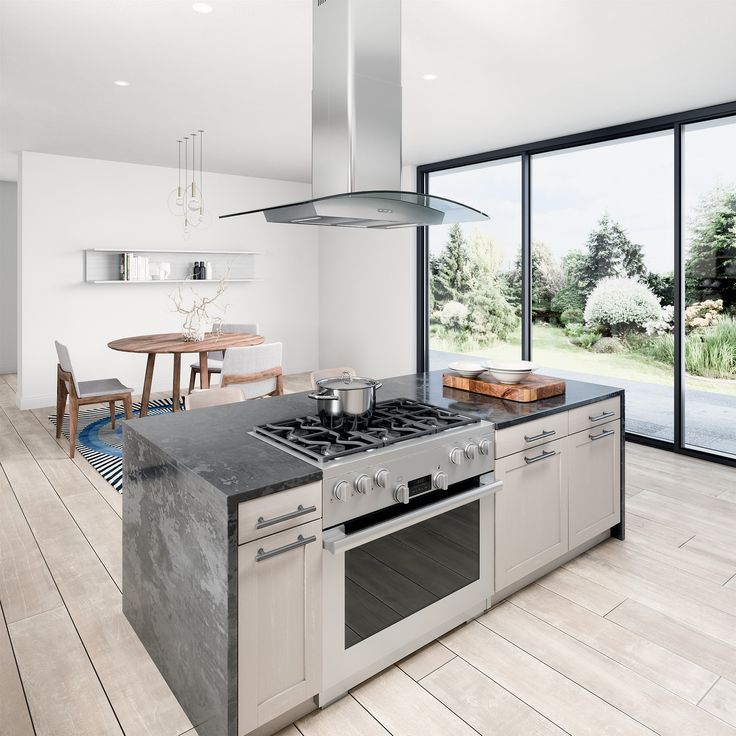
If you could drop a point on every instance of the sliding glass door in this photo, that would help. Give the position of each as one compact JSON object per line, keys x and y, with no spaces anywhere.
{"x":709,"y":251}
{"x":610,"y":257}
{"x":475,"y":268}
{"x":602,"y":271}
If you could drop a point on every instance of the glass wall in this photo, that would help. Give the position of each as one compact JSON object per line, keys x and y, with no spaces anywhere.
{"x":709,"y":252}
{"x":474,"y":268}
{"x":602,"y":271}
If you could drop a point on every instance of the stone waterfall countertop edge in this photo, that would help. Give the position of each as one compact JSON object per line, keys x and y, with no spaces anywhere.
{"x":215,"y":445}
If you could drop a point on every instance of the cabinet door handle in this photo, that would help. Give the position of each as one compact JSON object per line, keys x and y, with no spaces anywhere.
{"x":301,"y":541}
{"x":604,"y":433}
{"x":540,"y":436}
{"x":300,"y":511}
{"x":602,"y":415}
{"x":545,"y":454}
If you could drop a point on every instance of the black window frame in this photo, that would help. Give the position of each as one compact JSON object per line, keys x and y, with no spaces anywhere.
{"x":673,"y":122}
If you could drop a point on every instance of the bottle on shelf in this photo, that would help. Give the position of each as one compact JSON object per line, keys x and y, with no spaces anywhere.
{"x":196,"y":273}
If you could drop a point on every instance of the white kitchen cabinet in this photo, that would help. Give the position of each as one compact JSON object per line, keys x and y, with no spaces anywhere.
{"x":594,"y":457}
{"x":531,"y":521}
{"x":279,"y":623}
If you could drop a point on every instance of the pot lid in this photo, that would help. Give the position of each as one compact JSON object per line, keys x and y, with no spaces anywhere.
{"x":347,"y":382}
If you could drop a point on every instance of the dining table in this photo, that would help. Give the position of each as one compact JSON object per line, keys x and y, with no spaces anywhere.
{"x":174,"y":343}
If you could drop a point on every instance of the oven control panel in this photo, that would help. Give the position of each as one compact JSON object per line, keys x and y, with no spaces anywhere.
{"x":372,"y":480}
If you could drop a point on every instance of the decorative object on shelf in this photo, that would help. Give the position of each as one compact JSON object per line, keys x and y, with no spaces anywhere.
{"x":164,"y":270}
{"x":197,"y":315}
{"x":187,"y":201}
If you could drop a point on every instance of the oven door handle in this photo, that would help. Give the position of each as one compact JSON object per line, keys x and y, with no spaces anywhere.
{"x":336,"y":541}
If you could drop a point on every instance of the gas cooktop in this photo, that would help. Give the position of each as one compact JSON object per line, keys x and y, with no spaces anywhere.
{"x":393,"y":421}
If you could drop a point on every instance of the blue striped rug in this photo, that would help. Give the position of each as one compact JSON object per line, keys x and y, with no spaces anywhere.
{"x":101,"y":445}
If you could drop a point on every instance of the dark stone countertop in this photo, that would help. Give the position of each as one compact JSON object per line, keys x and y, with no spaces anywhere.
{"x":214,"y":443}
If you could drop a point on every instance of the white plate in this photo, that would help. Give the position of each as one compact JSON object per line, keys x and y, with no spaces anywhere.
{"x":466,"y":369}
{"x":510,"y":371}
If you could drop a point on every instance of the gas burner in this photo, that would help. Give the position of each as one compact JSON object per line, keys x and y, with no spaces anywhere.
{"x":393,"y":421}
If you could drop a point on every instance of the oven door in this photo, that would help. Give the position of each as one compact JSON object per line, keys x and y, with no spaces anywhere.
{"x":395,"y":583}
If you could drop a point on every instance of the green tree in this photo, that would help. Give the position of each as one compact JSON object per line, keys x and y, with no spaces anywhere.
{"x":547,"y":279}
{"x":451,"y":271}
{"x":610,"y":253}
{"x":571,"y":296}
{"x":711,"y":262}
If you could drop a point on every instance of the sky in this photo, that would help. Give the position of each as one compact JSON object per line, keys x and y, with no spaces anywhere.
{"x":631,"y":180}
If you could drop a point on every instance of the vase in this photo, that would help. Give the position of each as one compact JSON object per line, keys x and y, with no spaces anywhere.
{"x":194,"y":330}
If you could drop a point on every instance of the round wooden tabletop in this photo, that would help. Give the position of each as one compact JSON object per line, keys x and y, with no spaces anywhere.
{"x":173,"y":342}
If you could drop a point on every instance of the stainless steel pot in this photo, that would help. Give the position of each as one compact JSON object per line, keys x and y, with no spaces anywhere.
{"x":347,"y":402}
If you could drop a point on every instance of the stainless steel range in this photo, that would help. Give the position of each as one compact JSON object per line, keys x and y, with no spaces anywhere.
{"x":408,"y":531}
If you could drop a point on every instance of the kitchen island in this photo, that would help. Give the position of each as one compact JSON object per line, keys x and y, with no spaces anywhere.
{"x":193,"y":481}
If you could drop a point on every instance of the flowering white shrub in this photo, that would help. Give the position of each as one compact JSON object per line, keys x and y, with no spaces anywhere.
{"x":453,"y":315}
{"x":621,"y":304}
{"x":703,"y":314}
{"x":662,"y":326}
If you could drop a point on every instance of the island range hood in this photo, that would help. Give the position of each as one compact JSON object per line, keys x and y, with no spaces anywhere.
{"x":356,"y":126}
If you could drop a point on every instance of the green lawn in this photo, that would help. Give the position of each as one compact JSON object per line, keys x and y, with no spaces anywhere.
{"x":553,"y":349}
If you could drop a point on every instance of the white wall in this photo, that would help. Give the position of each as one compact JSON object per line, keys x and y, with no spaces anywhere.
{"x":367,"y":298}
{"x":8,"y":276}
{"x":69,"y":204}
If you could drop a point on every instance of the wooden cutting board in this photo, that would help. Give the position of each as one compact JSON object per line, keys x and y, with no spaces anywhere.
{"x":531,"y":389}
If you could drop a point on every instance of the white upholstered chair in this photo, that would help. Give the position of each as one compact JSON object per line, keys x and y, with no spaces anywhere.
{"x":80,"y":393}
{"x":315,"y":376}
{"x":201,"y":398}
{"x":255,"y":370}
{"x":215,"y":357}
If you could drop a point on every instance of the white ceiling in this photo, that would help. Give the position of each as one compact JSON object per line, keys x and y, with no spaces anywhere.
{"x":510,"y":71}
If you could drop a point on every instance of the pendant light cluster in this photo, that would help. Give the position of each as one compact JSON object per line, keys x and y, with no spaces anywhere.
{"x":187,"y":200}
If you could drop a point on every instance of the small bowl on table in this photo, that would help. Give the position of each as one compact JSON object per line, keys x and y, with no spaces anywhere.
{"x":466,"y":369}
{"x":511,"y":371}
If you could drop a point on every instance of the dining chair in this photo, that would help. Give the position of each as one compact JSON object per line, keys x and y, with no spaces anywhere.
{"x":215,"y":357}
{"x":81,"y":393}
{"x":315,"y":376}
{"x":203,"y":397}
{"x":256,"y":370}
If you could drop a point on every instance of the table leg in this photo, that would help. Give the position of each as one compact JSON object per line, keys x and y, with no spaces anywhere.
{"x":204,"y":373}
{"x":177,"y":381}
{"x":147,"y":381}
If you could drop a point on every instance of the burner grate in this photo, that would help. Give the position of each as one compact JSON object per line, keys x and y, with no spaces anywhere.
{"x":393,"y":421}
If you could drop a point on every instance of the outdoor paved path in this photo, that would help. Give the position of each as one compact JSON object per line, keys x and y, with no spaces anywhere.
{"x":710,"y":417}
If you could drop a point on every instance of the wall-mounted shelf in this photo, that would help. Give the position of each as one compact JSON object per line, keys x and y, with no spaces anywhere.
{"x":102,"y":265}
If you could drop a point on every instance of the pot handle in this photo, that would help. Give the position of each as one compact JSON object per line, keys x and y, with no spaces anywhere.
{"x":378,"y":385}
{"x":329,"y":397}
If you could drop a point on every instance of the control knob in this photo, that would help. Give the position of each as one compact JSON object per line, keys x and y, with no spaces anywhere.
{"x":471,"y":451}
{"x":340,"y":491}
{"x":457,"y":456}
{"x":363,"y":484}
{"x":401,"y":493}
{"x":485,"y":447}
{"x":440,"y":480}
{"x":382,"y":477}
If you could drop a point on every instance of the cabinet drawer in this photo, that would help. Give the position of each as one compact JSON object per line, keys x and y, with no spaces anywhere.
{"x":530,"y":434}
{"x":279,"y":511}
{"x":593,"y":415}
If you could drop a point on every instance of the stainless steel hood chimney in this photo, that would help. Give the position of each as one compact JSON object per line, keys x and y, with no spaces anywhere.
{"x":356,"y":126}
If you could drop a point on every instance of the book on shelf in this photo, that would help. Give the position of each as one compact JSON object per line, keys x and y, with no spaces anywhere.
{"x":134,"y":267}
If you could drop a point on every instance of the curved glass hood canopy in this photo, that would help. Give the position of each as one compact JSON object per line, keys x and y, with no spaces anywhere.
{"x":356,"y":126}
{"x":380,"y":210}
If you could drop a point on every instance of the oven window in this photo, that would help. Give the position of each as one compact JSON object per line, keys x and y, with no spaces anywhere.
{"x":397,"y":575}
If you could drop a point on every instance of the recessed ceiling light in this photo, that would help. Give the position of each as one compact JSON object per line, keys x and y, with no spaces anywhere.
{"x":122,"y":83}
{"x":201,"y":7}
{"x":429,"y":77}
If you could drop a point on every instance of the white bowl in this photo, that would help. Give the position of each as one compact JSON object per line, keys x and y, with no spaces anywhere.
{"x":466,"y":369}
{"x":513,"y":371}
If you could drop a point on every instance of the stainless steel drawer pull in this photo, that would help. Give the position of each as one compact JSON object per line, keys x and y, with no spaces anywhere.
{"x":545,"y":454}
{"x":604,"y":433}
{"x":301,"y":541}
{"x":540,"y":436}
{"x":602,"y":415}
{"x":300,"y":511}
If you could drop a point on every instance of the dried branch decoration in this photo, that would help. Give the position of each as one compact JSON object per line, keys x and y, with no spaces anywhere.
{"x":198,"y":314}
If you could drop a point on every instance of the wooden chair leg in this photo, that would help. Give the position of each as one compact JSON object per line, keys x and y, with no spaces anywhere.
{"x":112,"y":414}
{"x":192,"y":378}
{"x":279,"y":385}
{"x":73,"y":417}
{"x":61,"y":394}
{"x":128,"y":406}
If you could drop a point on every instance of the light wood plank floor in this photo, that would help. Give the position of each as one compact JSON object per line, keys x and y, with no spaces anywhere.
{"x":634,"y":637}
